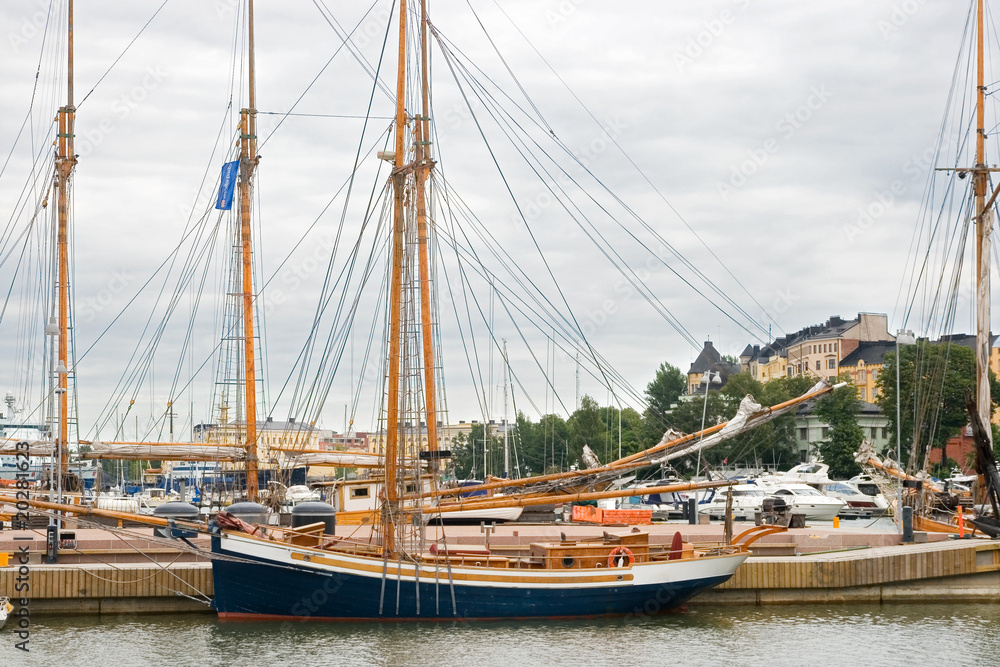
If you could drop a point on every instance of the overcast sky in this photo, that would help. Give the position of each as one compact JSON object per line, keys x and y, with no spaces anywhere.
{"x":768,"y":127}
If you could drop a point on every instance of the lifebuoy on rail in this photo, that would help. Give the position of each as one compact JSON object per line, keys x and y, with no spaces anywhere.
{"x":620,"y":557}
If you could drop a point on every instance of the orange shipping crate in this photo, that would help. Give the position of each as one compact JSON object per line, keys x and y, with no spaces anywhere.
{"x":588,"y":513}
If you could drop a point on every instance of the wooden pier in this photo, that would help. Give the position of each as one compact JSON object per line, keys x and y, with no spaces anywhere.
{"x":945,"y":571}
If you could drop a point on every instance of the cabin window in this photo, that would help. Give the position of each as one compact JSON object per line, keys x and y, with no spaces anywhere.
{"x":360,"y":493}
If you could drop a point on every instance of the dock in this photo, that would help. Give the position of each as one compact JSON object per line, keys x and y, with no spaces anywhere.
{"x":114,"y":575}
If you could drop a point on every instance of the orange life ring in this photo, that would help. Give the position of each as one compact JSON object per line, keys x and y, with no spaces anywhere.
{"x":619,"y":556}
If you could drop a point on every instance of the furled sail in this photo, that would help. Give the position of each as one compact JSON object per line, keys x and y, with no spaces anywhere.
{"x":35,"y":447}
{"x":172,"y":452}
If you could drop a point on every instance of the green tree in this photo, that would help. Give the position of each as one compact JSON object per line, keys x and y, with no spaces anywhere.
{"x":839,"y":409}
{"x":664,"y":391}
{"x":933,"y":378}
{"x":477,"y":454}
{"x":587,"y":426}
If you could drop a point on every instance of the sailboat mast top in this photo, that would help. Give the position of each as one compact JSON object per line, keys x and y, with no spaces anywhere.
{"x":248,"y":161}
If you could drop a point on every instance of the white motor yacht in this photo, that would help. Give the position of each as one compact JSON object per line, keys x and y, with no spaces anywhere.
{"x":804,"y":499}
{"x":860,"y":502}
{"x":748,"y":499}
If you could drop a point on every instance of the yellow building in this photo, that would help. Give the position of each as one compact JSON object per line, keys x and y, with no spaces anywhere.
{"x":814,"y":351}
{"x":864,"y":365}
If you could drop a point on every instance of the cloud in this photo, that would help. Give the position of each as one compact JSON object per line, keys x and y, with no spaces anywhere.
{"x":151,"y":129}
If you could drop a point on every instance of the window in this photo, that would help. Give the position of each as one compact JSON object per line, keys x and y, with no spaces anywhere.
{"x":835,"y":347}
{"x":817,"y":364}
{"x":831,"y":363}
{"x":873,"y":431}
{"x":874,"y":374}
{"x":884,"y":433}
{"x":826,"y":432}
{"x":799,"y":369}
{"x":863,"y":396}
{"x":803,"y":434}
{"x":360,"y":493}
{"x":790,"y":371}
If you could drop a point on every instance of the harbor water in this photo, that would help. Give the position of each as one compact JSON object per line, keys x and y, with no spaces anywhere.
{"x":882,"y":635}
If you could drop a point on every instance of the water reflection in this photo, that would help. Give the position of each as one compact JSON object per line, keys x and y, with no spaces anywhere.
{"x":775,"y":636}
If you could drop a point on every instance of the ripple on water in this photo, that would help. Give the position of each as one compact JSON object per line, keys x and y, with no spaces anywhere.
{"x":780,"y":636}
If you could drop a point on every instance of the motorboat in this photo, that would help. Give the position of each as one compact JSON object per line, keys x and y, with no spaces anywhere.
{"x":663,"y":505}
{"x":747,"y":501}
{"x":804,"y":499}
{"x":859,"y":504}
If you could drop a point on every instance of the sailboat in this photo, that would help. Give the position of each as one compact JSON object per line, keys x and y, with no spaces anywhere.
{"x":403,"y":572}
{"x":935,"y":508}
{"x":407,"y":571}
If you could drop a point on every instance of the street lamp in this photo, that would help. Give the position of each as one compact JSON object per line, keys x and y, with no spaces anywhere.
{"x":708,"y":379}
{"x":903,"y":337}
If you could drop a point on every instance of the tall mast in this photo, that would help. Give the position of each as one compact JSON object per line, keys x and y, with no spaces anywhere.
{"x":248,"y":161}
{"x":65,"y":161}
{"x":395,"y":300}
{"x":421,"y":173}
{"x":984,"y":224}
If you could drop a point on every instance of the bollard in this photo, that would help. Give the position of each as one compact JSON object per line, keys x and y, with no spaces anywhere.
{"x":907,"y":525}
{"x":836,"y":522}
{"x":52,"y":544}
{"x":692,"y":511}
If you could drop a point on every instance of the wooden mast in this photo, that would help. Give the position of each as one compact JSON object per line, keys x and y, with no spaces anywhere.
{"x":421,"y":173}
{"x":65,"y":161}
{"x":395,"y":301}
{"x":248,"y":161}
{"x":984,"y":224}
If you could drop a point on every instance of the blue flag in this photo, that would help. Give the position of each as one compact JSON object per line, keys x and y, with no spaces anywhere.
{"x":227,"y":185}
